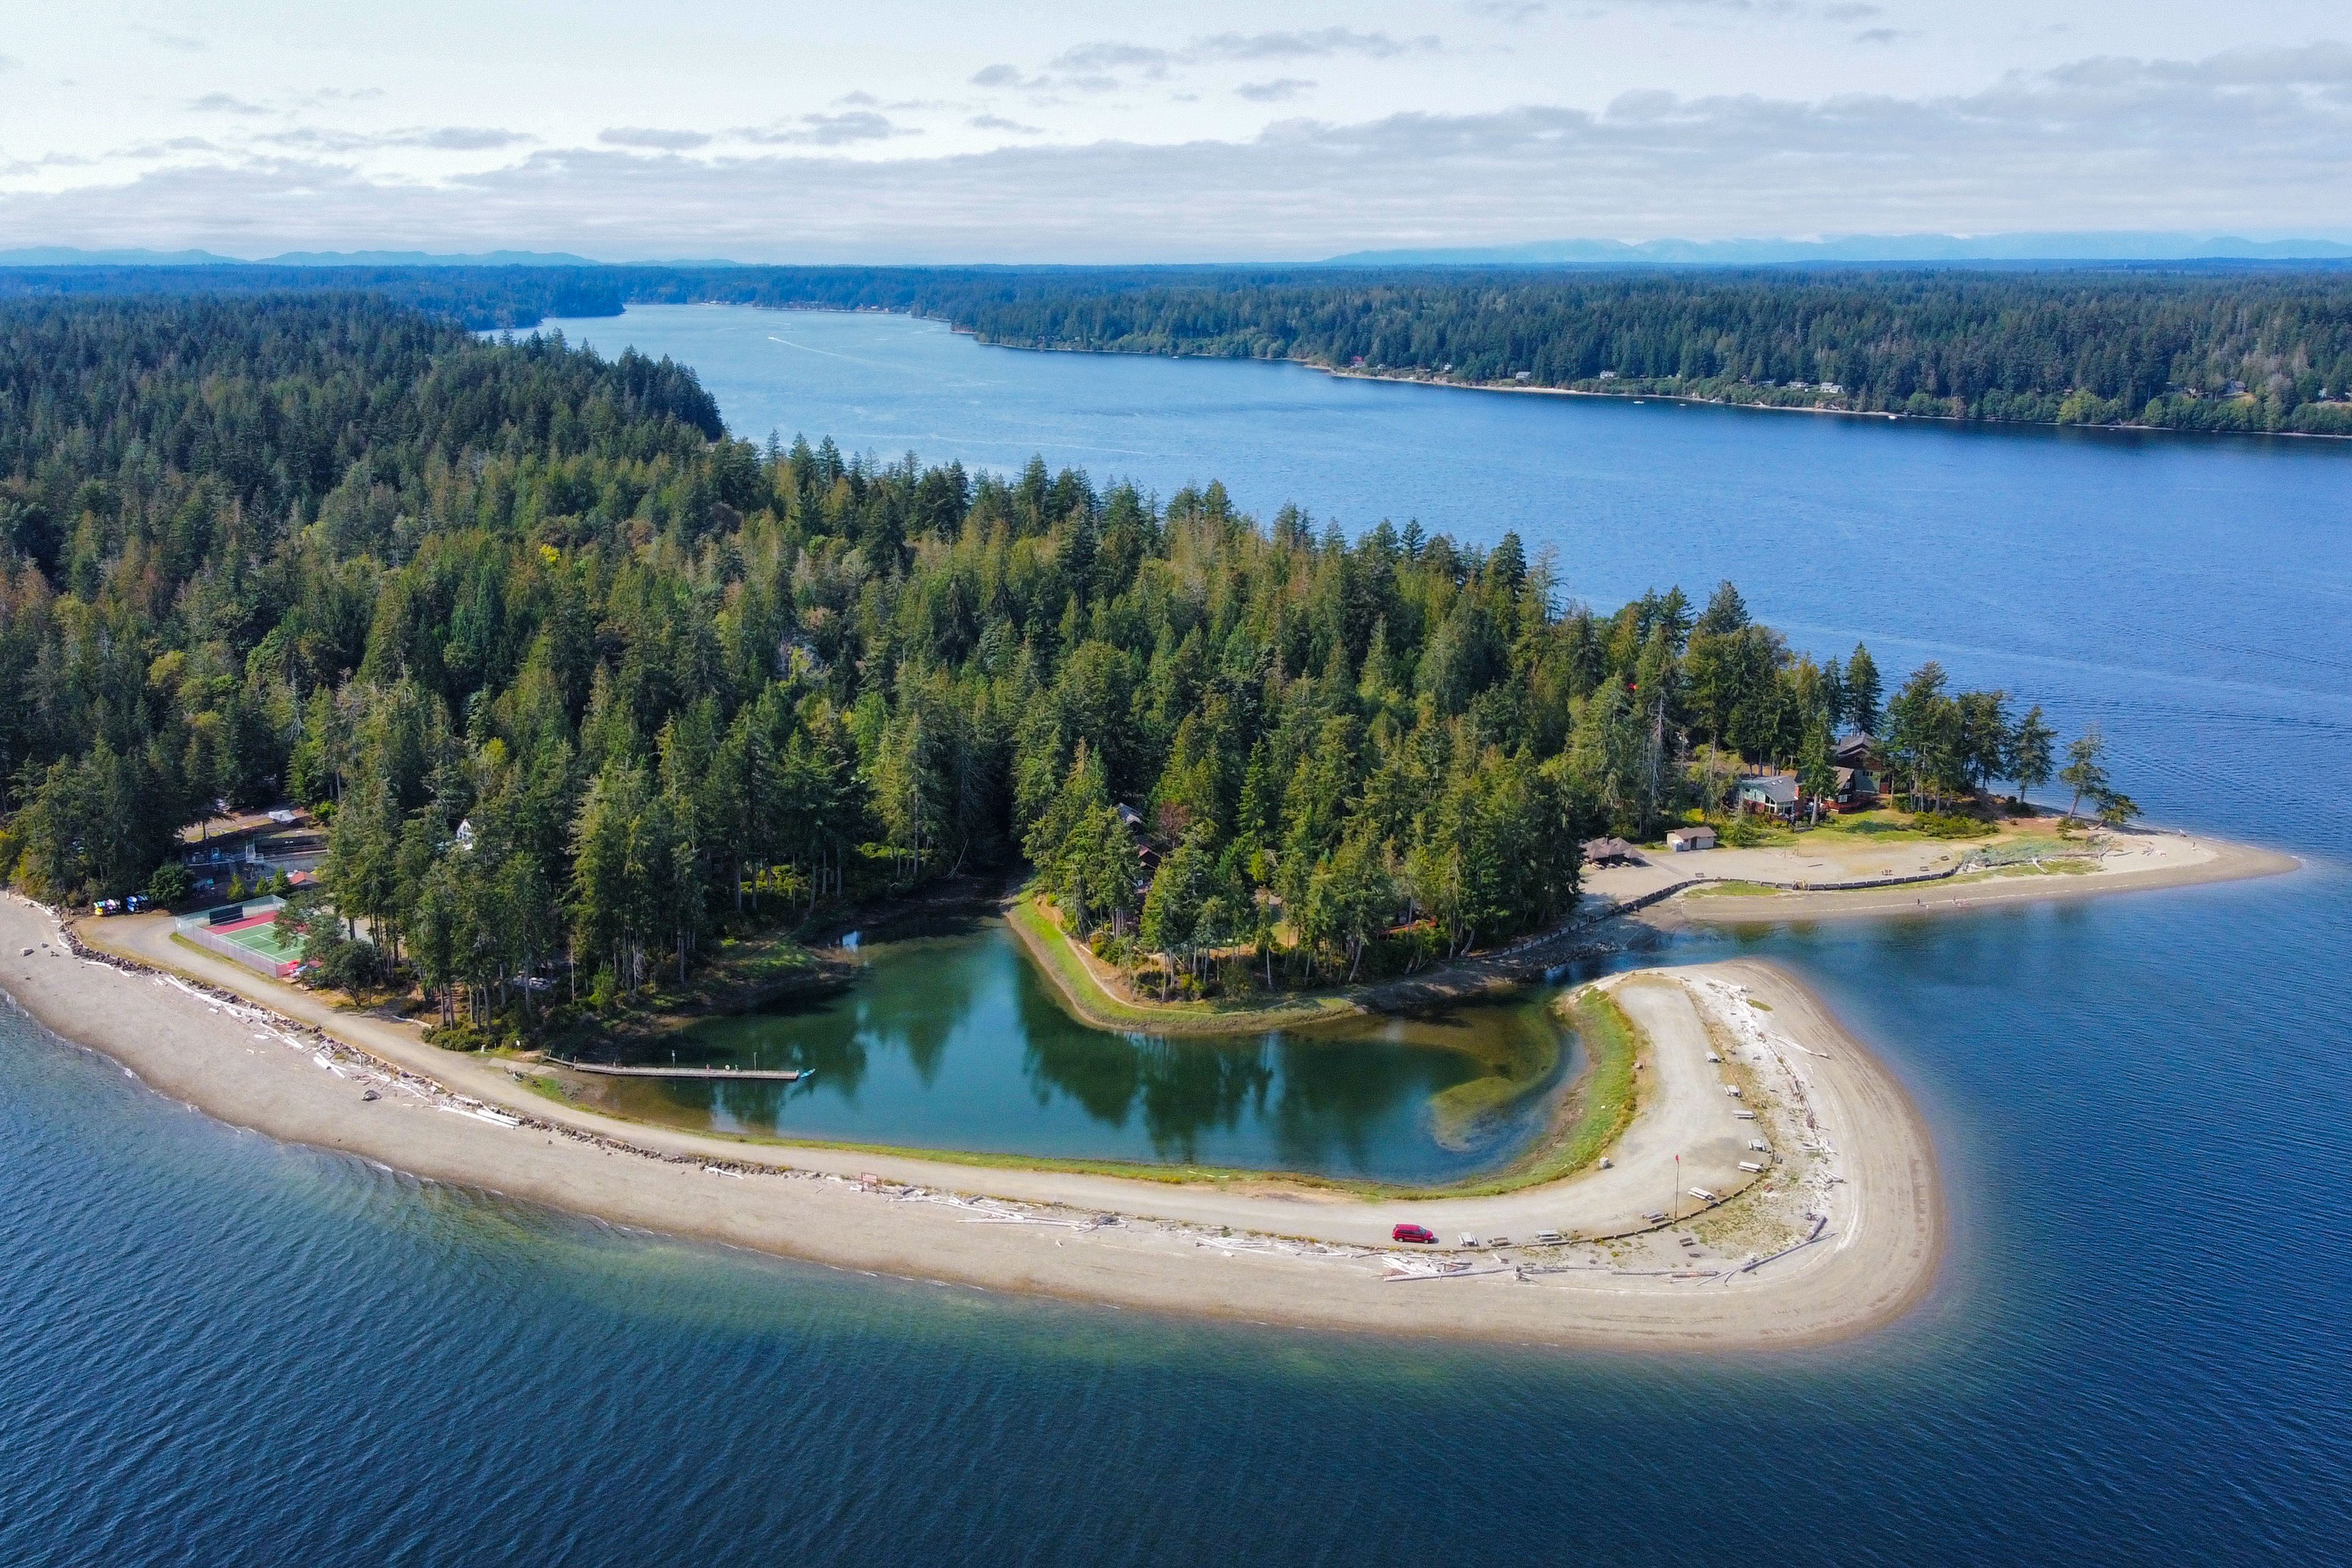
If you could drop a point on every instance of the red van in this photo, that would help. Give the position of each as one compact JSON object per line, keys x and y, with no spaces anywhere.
{"x":1420,"y":1233}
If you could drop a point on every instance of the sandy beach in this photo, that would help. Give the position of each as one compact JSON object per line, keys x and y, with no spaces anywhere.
{"x":1719,"y":886}
{"x":1842,"y":1219}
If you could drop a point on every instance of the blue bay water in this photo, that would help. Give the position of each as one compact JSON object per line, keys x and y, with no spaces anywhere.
{"x":223,"y":1350}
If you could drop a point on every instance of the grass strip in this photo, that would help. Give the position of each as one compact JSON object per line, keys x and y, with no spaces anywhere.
{"x":1085,"y":996}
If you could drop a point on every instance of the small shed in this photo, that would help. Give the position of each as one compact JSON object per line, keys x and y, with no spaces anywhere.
{"x":1683,"y":839}
{"x":1611,"y":852}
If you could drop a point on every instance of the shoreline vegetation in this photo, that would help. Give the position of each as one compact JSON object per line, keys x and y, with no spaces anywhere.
{"x":1244,"y":1246}
{"x":2207,"y":347}
{"x":600,"y":712}
{"x":594,"y":707}
{"x":1725,"y":397}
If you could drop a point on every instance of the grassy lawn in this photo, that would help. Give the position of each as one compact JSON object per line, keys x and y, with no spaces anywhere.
{"x":1879,"y":826}
{"x":1729,"y":890}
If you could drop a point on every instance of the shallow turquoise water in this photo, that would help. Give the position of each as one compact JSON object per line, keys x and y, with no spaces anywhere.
{"x":221,"y":1350}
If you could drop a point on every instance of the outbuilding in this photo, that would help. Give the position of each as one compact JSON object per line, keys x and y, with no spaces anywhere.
{"x":1611,"y":852}
{"x":1683,"y":839}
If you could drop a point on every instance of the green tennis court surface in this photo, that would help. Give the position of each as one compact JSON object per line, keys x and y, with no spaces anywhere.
{"x":259,"y":935}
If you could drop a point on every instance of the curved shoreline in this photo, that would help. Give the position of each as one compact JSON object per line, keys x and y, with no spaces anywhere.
{"x":1079,"y":981}
{"x":1263,"y":1251}
{"x":1429,"y":379}
{"x":2225,"y":861}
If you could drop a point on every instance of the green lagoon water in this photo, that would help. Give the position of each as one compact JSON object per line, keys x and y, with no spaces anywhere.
{"x":951,"y":1038}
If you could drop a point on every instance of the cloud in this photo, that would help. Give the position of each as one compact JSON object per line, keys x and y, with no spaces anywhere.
{"x":1281,"y":89}
{"x":46,"y":160}
{"x":1305,"y":46}
{"x":224,"y":104}
{"x":1511,"y":11}
{"x":998,"y":123}
{"x":151,"y":149}
{"x":652,"y":140}
{"x":1100,"y":57}
{"x":826,"y":130}
{"x":10,"y":63}
{"x":1881,"y":35}
{"x":186,"y":43}
{"x":2248,"y":141}
{"x":439,"y":138}
{"x":1088,"y":67}
{"x":469,"y":138}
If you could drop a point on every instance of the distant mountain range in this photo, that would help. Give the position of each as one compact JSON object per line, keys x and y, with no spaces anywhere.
{"x":2086,"y":246}
{"x":66,"y":256}
{"x":1858,"y":249}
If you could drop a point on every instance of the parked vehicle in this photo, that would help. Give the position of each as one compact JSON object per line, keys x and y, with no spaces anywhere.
{"x":1414,"y":1233}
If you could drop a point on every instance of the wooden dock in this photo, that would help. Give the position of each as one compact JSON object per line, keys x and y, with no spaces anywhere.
{"x":768,"y":1074}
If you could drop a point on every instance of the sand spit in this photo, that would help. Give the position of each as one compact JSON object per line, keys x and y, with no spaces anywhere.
{"x":1837,"y":1231}
{"x":1720,"y":886}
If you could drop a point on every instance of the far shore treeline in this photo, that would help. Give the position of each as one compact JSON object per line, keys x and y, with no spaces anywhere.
{"x":2205,"y":345}
{"x":573,"y":675}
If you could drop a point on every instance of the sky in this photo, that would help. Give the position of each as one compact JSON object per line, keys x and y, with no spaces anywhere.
{"x":1278,"y":130}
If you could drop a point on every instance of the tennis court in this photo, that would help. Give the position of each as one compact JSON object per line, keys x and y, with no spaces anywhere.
{"x":248,"y":933}
{"x":259,"y":933}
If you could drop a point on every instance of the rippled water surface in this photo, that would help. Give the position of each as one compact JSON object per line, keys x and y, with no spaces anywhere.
{"x":224,"y":1350}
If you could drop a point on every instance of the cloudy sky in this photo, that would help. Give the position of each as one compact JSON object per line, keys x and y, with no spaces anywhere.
{"x":885,"y":130}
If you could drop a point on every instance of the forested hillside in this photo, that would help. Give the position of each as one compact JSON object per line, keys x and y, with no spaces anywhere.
{"x":2201,"y":346}
{"x":2234,"y":350}
{"x":570,"y":671}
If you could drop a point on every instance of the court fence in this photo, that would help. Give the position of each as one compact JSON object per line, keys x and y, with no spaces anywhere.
{"x":206,"y":928}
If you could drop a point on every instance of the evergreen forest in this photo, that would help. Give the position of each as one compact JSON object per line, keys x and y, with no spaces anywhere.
{"x":576,"y":678}
{"x":2211,"y":346}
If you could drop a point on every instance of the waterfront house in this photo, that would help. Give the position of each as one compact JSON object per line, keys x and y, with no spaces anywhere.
{"x":1769,"y":794}
{"x":1857,"y":789}
{"x":1857,"y":750}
